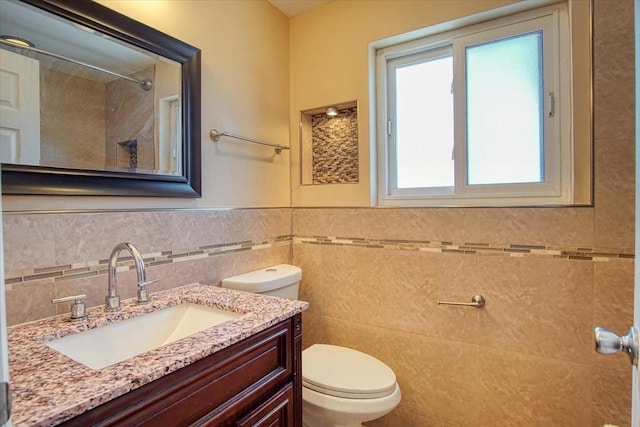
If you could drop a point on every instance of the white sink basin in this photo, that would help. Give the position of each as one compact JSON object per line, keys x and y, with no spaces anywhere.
{"x":114,"y":343}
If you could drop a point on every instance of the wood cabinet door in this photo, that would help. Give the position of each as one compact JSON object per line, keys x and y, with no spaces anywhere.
{"x":275,"y":412}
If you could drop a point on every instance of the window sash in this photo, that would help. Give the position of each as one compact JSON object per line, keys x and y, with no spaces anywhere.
{"x":557,"y":187}
{"x":552,"y":183}
{"x":392,"y":147}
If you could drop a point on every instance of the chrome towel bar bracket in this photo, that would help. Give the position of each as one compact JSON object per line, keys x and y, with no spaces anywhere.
{"x":477,"y":301}
{"x":215,"y":135}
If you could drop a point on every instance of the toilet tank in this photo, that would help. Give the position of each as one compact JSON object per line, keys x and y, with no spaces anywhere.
{"x":281,"y":280}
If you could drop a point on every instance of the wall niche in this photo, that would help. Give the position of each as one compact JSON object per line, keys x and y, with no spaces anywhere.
{"x":329,"y":139}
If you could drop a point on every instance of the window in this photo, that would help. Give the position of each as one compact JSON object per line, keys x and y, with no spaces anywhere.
{"x":478,"y":116}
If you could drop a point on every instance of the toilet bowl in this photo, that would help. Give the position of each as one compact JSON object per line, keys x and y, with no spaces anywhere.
{"x":345,"y":387}
{"x":341,"y":387}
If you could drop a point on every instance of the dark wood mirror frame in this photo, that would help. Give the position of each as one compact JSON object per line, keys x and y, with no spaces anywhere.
{"x":38,"y":180}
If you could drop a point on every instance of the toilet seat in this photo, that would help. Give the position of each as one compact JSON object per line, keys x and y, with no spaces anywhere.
{"x":344,"y":372}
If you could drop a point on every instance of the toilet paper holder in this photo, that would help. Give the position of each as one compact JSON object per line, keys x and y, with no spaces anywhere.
{"x":477,"y":301}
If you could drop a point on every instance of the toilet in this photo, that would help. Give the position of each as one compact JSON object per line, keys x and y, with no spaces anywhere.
{"x":340,"y":386}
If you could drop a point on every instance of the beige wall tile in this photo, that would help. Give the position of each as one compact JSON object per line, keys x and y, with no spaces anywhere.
{"x":614,"y":220}
{"x":30,"y":302}
{"x":398,"y":417}
{"x":95,"y":288}
{"x":614,"y":163}
{"x":614,"y":69}
{"x":28,"y":241}
{"x":532,"y":226}
{"x":614,"y":193}
{"x":313,"y":329}
{"x":521,"y":390}
{"x":613,"y":289}
{"x":611,"y":396}
{"x":417,"y":224}
{"x":309,"y":259}
{"x":399,"y":290}
{"x":537,"y":306}
{"x":438,"y":378}
{"x":196,"y":228}
{"x":92,"y":236}
{"x":614,"y":123}
{"x":536,"y":226}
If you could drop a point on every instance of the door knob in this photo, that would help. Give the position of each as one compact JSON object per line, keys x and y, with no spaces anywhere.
{"x":608,"y":342}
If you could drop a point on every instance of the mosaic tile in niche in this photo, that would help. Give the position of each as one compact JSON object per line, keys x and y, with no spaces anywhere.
{"x":335,"y":147}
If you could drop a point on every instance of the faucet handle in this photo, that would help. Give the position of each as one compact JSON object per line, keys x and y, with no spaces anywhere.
{"x":78,"y":308}
{"x":143,"y":292}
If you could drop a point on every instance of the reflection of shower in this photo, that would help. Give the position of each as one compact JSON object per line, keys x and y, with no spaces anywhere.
{"x":22,"y":44}
{"x":132,"y":147}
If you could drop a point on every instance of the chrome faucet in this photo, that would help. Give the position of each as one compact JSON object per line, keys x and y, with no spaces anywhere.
{"x":112,"y":300}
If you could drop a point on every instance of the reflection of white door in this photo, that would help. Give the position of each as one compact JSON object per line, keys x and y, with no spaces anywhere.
{"x":170,"y":135}
{"x":19,"y":109}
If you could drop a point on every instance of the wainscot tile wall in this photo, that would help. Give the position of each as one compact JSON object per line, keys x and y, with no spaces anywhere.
{"x":54,"y":255}
{"x":526,"y":358}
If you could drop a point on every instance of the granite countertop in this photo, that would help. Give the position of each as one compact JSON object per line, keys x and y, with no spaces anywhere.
{"x":49,"y":388}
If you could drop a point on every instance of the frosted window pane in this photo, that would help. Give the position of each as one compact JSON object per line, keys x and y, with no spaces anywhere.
{"x":424,"y":124}
{"x":504,"y":111}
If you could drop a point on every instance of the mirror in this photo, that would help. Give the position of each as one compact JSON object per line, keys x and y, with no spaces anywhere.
{"x":94,"y":103}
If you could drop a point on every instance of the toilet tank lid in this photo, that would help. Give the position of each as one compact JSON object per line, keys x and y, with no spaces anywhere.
{"x":344,"y":372}
{"x":264,"y":280}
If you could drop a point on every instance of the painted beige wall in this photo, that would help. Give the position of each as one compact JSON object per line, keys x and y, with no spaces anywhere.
{"x":245,"y":90}
{"x":330,"y":64}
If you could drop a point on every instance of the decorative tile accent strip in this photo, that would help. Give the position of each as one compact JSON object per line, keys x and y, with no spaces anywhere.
{"x":100,"y":267}
{"x":79,"y":270}
{"x":512,"y":250}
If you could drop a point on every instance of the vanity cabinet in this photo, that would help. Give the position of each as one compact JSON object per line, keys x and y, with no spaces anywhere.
{"x":255,"y":382}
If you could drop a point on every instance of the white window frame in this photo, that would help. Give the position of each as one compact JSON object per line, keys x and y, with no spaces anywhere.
{"x":558,"y":187}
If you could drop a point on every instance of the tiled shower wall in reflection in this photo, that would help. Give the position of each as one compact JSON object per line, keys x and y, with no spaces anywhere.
{"x":81,"y":121}
{"x":72,"y":121}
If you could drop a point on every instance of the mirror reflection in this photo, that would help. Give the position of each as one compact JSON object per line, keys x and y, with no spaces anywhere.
{"x":74,"y":98}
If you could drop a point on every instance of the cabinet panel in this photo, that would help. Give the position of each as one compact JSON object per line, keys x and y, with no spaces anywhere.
{"x":275,"y":412}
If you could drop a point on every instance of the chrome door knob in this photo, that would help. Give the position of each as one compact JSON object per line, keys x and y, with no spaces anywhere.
{"x":608,"y":342}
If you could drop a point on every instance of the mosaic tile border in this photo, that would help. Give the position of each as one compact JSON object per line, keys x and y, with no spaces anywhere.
{"x":512,"y":250}
{"x":80,"y":270}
